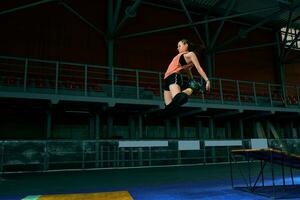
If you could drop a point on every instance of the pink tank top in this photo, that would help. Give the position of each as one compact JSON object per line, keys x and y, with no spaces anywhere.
{"x":174,"y":66}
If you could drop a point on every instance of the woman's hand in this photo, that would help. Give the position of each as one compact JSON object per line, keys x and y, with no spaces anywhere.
{"x":207,"y":86}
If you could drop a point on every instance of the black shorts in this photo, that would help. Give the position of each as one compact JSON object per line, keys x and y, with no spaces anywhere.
{"x":173,"y":79}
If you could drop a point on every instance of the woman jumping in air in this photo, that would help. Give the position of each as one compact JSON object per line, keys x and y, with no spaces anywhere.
{"x":173,"y":81}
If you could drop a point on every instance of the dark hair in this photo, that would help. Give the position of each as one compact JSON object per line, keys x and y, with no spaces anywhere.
{"x":196,"y":48}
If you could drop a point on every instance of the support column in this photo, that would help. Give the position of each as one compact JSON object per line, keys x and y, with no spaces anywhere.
{"x":209,"y":67}
{"x":208,"y":55}
{"x":287,"y":130}
{"x":97,"y":137}
{"x":228,"y":129}
{"x":298,"y":131}
{"x":131,"y":122}
{"x":140,"y":124}
{"x":294,"y":131}
{"x":270,"y":127}
{"x":110,"y":40}
{"x":167,"y":129}
{"x":279,"y":62}
{"x":280,"y":65}
{"x":211,"y":127}
{"x":254,"y":131}
{"x":92,"y":127}
{"x":178,"y":128}
{"x":241,"y":128}
{"x":110,"y":127}
{"x":199,"y":131}
{"x":97,"y":126}
{"x":49,"y":123}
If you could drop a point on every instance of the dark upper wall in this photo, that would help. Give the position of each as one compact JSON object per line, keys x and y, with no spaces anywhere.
{"x":51,"y":32}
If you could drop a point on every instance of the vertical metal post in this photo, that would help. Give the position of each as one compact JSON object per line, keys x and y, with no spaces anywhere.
{"x":101,"y":156}
{"x":49,"y":123}
{"x":282,"y":172}
{"x":199,"y":129}
{"x":280,"y":63}
{"x":178,"y":157}
{"x":137,"y":84}
{"x":56,"y":77}
{"x":118,"y":156}
{"x":110,"y":126}
{"x":292,"y":175}
{"x":140,"y":155}
{"x":231,"y":171}
{"x":208,"y":56}
{"x":46,"y":156}
{"x":140,"y":124}
{"x":178,"y":127}
{"x":97,"y":137}
{"x":150,"y":156}
{"x":212,"y":136}
{"x":132,"y":156}
{"x":270,"y":94}
{"x":132,"y":131}
{"x":85,"y":79}
{"x":221,"y":91}
{"x":83,"y":155}
{"x":249,"y":171}
{"x":228,"y":154}
{"x":254,"y":92}
{"x":160,"y":85}
{"x":112,"y":82}
{"x":238,"y":92}
{"x":110,"y":42}
{"x":281,"y":67}
{"x":25,"y":75}
{"x":167,"y":128}
{"x":297,"y":93}
{"x":272,"y":171}
{"x":262,"y":174}
{"x":211,"y":128}
{"x":228,"y":127}
{"x":115,"y":161}
{"x":241,"y":126}
{"x":2,"y":157}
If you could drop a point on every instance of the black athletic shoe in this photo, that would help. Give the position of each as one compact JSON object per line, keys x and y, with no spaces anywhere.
{"x":179,"y":99}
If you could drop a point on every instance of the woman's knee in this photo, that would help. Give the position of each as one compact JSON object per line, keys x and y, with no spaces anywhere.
{"x":174,"y":89}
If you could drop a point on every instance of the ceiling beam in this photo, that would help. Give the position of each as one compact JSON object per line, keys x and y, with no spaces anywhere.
{"x":25,"y":6}
{"x":199,"y":13}
{"x":181,"y":26}
{"x":67,"y":7}
{"x":248,"y":47}
{"x":117,"y":12}
{"x":191,"y":21}
{"x":262,"y":22}
{"x":129,"y":12}
{"x":230,"y":7}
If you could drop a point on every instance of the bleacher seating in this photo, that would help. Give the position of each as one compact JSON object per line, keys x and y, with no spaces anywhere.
{"x":71,"y":79}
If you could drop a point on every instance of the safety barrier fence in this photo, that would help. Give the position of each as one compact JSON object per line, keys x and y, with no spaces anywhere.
{"x":47,"y":155}
{"x":27,"y":75}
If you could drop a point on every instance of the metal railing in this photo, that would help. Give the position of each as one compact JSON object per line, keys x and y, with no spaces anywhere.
{"x":26,"y":75}
{"x":41,"y":155}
